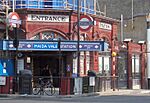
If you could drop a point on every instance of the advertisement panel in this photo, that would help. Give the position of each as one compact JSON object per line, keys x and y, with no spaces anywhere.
{"x":6,"y":67}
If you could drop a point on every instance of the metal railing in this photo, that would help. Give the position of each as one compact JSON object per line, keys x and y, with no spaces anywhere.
{"x":62,"y":85}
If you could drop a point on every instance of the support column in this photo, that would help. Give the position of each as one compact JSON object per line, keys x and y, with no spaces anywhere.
{"x":148,"y":50}
{"x":129,"y":63}
{"x":142,"y":57}
{"x":78,"y":32}
{"x":94,"y":61}
{"x":129,"y":70}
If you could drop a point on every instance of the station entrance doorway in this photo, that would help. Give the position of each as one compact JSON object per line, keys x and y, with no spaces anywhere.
{"x":41,"y":59}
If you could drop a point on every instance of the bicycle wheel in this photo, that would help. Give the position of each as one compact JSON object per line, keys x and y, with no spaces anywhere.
{"x":36,"y":90}
{"x":49,"y":90}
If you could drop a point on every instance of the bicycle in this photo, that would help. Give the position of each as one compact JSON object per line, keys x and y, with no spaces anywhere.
{"x":43,"y":87}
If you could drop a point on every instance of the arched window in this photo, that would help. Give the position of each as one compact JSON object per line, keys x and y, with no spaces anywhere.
{"x":47,"y":35}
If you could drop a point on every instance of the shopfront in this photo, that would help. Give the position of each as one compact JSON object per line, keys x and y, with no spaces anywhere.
{"x":36,"y":54}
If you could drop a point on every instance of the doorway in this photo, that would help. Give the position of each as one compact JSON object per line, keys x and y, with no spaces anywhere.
{"x":40,"y":60}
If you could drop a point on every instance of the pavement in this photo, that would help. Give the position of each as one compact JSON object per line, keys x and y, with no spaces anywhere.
{"x":103,"y":93}
{"x":126,"y":92}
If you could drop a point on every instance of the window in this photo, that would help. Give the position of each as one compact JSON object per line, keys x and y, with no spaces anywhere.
{"x":47,"y":35}
{"x":135,"y":66}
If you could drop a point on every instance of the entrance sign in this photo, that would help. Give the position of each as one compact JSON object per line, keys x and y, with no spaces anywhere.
{"x":48,"y":18}
{"x":41,"y":45}
{"x":86,"y":23}
{"x":90,"y":46}
{"x":83,"y":46}
{"x":34,"y":45}
{"x":68,"y":46}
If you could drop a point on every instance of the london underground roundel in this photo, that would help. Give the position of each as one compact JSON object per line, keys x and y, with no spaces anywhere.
{"x":86,"y":22}
{"x":14,"y":19}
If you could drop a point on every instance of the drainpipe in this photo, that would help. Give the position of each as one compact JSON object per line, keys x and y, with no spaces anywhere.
{"x":70,"y":14}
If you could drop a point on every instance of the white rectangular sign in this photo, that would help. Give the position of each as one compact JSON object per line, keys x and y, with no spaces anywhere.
{"x":13,"y":21}
{"x":105,"y":26}
{"x":92,"y":81}
{"x":2,"y":80}
{"x":48,"y":18}
{"x":20,"y":65}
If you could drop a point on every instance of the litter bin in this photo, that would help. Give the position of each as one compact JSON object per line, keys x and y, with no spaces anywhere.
{"x":92,"y":73}
{"x":85,"y":84}
{"x":92,"y":76}
{"x":25,"y":84}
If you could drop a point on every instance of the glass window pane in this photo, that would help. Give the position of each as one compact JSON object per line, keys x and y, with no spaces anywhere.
{"x":137,"y":65}
{"x":133,"y":64}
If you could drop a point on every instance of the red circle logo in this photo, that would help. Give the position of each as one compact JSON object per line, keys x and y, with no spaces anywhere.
{"x":13,"y":18}
{"x":86,"y":23}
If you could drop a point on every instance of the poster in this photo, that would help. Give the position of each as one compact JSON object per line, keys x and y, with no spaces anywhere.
{"x":20,"y":65}
{"x":2,"y":80}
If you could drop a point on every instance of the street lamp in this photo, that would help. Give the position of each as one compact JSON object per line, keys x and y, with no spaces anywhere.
{"x":59,"y":47}
{"x":6,"y":7}
{"x":4,"y":12}
{"x":6,"y":20}
{"x":78,"y":40}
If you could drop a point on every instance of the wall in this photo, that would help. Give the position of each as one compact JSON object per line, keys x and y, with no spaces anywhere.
{"x":95,"y":33}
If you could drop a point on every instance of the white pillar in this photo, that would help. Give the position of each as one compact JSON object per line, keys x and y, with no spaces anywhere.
{"x":148,"y":49}
{"x":121,"y":32}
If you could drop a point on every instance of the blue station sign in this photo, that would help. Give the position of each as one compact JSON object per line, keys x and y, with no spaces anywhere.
{"x":41,"y":45}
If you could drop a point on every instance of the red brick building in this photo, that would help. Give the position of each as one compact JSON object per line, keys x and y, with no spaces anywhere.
{"x":104,"y":29}
{"x":50,"y":25}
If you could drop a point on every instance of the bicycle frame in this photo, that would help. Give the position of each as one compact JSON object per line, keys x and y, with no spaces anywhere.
{"x":43,"y":87}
